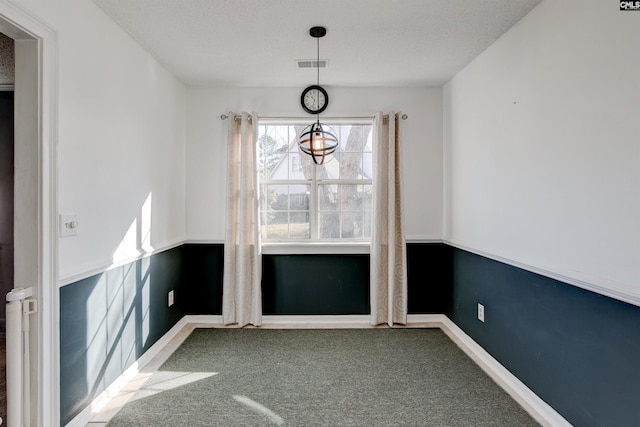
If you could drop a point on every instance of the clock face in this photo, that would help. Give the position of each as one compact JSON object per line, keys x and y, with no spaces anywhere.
{"x":314,"y":99}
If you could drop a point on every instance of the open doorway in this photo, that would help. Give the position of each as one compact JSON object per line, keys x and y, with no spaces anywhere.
{"x":7,"y":80}
{"x":35,"y":250}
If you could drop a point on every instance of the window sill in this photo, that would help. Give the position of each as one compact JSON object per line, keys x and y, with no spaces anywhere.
{"x":309,"y":248}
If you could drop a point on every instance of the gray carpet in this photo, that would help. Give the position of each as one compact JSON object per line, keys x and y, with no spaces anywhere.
{"x":356,"y":377}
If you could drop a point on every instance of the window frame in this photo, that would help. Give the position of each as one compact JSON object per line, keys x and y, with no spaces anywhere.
{"x":314,"y":244}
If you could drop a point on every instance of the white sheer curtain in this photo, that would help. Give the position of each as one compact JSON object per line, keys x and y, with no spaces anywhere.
{"x":241,"y":292}
{"x":388,"y":248}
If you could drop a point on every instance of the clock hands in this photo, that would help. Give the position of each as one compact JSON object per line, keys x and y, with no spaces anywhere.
{"x":314,"y":99}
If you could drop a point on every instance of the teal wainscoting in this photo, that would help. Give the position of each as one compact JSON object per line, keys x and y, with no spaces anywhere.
{"x":319,"y":284}
{"x":577,"y":350}
{"x":202,"y":278}
{"x":109,"y":320}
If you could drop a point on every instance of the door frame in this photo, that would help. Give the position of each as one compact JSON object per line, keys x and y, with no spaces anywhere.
{"x":37,"y":80}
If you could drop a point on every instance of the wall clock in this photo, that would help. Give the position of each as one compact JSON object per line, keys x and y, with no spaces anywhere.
{"x":314,"y":99}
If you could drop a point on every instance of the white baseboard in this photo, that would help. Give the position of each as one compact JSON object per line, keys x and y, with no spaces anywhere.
{"x":204,"y":319}
{"x":316,"y":322}
{"x":425,"y":320}
{"x":320,"y":322}
{"x":536,"y":407}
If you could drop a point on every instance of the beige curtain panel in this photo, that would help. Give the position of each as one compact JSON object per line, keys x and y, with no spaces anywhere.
{"x":241,"y":292}
{"x":388,"y":246}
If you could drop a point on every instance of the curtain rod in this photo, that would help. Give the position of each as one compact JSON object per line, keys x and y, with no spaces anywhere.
{"x":386,"y":116}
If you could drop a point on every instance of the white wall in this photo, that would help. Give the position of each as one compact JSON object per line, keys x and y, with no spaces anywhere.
{"x":121,"y":138}
{"x":206,"y":152}
{"x":542,"y":147}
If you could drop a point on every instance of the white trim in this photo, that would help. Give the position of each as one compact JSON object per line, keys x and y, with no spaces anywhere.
{"x":290,"y":322}
{"x":536,"y":407}
{"x":593,"y":284}
{"x":316,"y":322}
{"x":204,"y":241}
{"x":417,"y":320}
{"x":417,"y":238}
{"x":315,"y":247}
{"x":21,"y":24}
{"x":347,"y":321}
{"x":413,"y":238}
{"x":295,"y":248}
{"x":103,"y":267}
{"x":269,"y":121}
{"x":205,"y":319}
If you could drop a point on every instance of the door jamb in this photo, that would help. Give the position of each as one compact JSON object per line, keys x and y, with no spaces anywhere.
{"x":20,"y":24}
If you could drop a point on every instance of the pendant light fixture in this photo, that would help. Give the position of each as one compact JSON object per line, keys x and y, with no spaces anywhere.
{"x":317,"y":140}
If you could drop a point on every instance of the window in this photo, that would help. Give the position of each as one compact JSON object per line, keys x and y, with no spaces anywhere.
{"x":300,"y":201}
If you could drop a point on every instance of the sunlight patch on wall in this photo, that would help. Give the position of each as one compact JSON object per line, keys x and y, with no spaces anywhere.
{"x":145,"y":226}
{"x":118,"y":309}
{"x":127,"y":249}
{"x":96,"y":332}
{"x":145,"y":279}
{"x":137,"y":239}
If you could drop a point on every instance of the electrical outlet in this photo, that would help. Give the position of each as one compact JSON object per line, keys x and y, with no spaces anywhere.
{"x":170,"y":298}
{"x":480,"y":312}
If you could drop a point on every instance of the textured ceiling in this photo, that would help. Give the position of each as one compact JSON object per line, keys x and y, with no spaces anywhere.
{"x":368,"y":42}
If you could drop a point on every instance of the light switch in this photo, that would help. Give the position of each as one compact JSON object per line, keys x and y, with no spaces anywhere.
{"x":69,"y":225}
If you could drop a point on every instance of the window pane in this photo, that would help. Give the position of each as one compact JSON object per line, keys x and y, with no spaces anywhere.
{"x":277,"y":197}
{"x":351,"y":166}
{"x":329,"y":197}
{"x":366,"y":193}
{"x":329,"y":225}
{"x":352,"y":198}
{"x":299,"y":225}
{"x":366,"y":225}
{"x":272,"y":148}
{"x":367,"y":165}
{"x":368,"y":145}
{"x":359,"y":197}
{"x":342,"y":132}
{"x":299,"y":197}
{"x":330,"y":169}
{"x":263,"y":198}
{"x":277,"y":225}
{"x":354,"y":138}
{"x":296,"y":168}
{"x":351,"y":225}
